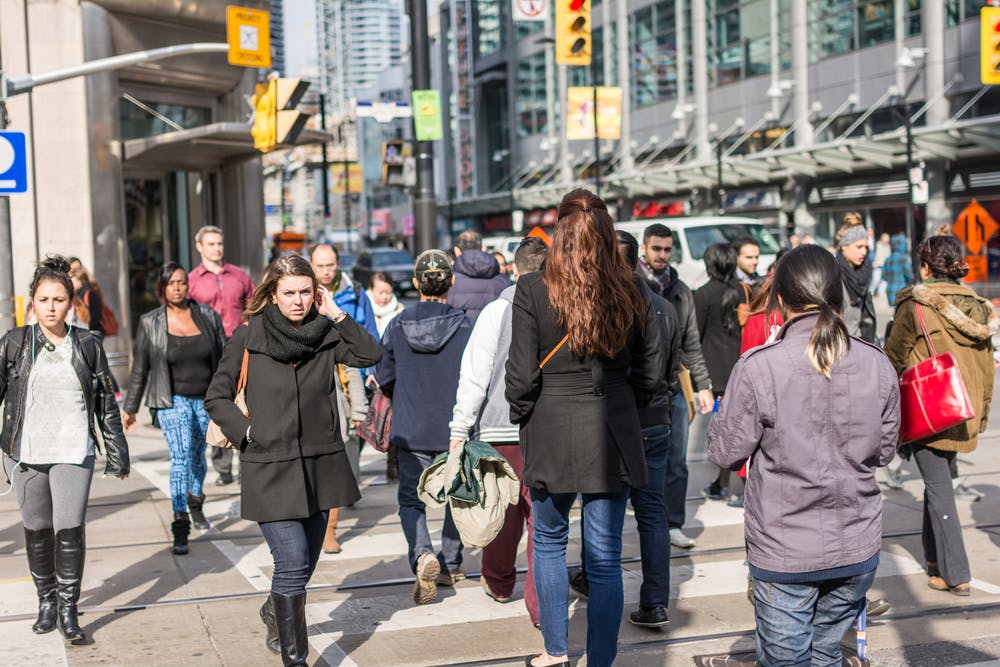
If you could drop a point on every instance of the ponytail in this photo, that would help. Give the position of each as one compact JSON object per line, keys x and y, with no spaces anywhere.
{"x":829,"y":341}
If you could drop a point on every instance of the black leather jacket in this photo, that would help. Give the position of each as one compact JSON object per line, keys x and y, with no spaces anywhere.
{"x":91,"y":366}
{"x":149,"y":355}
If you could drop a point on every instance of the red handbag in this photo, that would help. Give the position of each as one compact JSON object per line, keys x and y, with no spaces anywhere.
{"x":377,"y":426}
{"x":932,"y":394}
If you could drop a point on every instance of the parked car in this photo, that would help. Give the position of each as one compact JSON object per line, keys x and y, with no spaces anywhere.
{"x":394,"y":261}
{"x":692,"y":236}
{"x":505,"y":244}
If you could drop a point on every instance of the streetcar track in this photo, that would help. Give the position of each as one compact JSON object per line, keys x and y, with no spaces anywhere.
{"x":407,"y":581}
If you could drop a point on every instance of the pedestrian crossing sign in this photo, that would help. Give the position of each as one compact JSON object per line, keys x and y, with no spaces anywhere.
{"x":13,"y":163}
{"x":248,"y":32}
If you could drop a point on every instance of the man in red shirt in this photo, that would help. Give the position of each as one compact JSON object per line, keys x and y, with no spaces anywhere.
{"x":226,"y":288}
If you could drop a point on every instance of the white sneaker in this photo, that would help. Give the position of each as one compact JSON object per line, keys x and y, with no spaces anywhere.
{"x":680,"y":540}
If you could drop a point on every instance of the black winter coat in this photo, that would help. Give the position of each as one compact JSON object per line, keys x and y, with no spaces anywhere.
{"x":149,"y":355}
{"x":91,"y":366}
{"x":720,"y":348}
{"x":294,"y":464}
{"x":578,"y":416}
{"x":478,"y":281}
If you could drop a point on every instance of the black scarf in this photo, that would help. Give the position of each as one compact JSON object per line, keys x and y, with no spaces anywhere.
{"x":857,"y":279}
{"x":288,"y":345}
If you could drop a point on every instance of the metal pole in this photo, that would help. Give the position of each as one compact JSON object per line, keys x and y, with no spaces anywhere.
{"x":718,"y":173}
{"x":347,"y":183}
{"x":597,"y":138}
{"x":7,"y":316}
{"x":910,"y":213}
{"x":284,"y":223}
{"x":326,"y":164}
{"x":424,"y":204}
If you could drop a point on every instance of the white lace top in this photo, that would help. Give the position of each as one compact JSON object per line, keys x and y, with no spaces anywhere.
{"x":55,"y":428}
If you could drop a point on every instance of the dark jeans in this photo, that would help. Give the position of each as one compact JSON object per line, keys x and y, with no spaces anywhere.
{"x":499,"y":566}
{"x":654,"y":539}
{"x":675,"y":491}
{"x":295,"y":547}
{"x":942,"y":535}
{"x":413,"y":515}
{"x":604,"y":514}
{"x":222,"y":460}
{"x":801,"y":625}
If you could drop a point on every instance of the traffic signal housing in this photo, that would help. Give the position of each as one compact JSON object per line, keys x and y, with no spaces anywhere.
{"x":276,"y":120}
{"x":573,"y":39}
{"x":397,"y":163}
{"x":989,"y":45}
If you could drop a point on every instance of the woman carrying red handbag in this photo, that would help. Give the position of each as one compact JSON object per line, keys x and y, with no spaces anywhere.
{"x":961,"y":323}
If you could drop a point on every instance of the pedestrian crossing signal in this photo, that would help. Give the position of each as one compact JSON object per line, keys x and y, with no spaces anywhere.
{"x":989,"y":45}
{"x":573,"y":38}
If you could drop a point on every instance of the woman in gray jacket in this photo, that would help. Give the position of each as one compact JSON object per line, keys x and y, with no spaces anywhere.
{"x":819,"y":411}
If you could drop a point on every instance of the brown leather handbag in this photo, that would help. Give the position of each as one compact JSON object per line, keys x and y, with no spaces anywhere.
{"x":214,"y":435}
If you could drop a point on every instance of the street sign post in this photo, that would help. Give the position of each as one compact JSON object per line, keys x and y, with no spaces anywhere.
{"x":13,"y":163}
{"x":248,"y":32}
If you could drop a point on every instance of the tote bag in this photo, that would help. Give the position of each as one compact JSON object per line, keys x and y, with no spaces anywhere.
{"x":214,"y":435}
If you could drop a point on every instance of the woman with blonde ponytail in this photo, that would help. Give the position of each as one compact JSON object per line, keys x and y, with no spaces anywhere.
{"x":819,"y":411}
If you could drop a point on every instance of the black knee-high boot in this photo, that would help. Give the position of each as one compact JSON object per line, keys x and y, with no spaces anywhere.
{"x":267,"y":616}
{"x":290,"y":617}
{"x":196,"y":509}
{"x":41,"y":548}
{"x":180,"y":527}
{"x":70,"y":551}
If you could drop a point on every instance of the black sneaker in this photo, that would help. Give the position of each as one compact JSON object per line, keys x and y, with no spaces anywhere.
{"x":715,"y":492}
{"x":649,"y":618}
{"x":578,"y":581}
{"x":225,"y":479}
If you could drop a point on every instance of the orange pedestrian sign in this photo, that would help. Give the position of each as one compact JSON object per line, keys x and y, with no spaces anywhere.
{"x":248,"y":32}
{"x":975,"y":226}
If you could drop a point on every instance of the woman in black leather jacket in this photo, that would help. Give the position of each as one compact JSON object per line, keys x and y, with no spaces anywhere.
{"x":54,"y":381}
{"x":177,"y":349}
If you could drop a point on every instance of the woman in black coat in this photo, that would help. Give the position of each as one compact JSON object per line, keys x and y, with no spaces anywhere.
{"x":293,"y":465}
{"x":715,"y":307}
{"x":177,"y":349}
{"x":582,"y":357}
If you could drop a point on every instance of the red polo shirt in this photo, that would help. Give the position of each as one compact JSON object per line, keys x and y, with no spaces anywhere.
{"x":227,"y":292}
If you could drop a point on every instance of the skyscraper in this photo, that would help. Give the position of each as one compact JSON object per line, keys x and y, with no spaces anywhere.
{"x":278,"y":36}
{"x":357,"y":40}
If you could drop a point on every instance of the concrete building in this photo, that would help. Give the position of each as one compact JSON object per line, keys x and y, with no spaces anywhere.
{"x":792,"y":111}
{"x":125,"y":166}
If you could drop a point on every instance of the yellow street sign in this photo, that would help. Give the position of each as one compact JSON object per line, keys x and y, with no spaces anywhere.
{"x":248,"y":32}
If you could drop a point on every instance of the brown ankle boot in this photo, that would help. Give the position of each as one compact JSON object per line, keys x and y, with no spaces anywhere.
{"x":330,"y":544}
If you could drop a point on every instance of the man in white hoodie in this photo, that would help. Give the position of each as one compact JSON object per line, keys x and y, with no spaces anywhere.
{"x":482,"y":411}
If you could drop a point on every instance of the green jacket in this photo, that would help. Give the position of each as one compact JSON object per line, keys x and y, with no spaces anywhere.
{"x":958,"y":321}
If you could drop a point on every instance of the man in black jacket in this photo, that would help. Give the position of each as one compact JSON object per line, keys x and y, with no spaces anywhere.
{"x":657,"y":247}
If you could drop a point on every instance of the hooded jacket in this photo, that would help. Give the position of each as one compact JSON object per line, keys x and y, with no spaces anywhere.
{"x":960,"y":322}
{"x":897,"y":270}
{"x":352,"y":299}
{"x":419,"y":371}
{"x":477,"y":282}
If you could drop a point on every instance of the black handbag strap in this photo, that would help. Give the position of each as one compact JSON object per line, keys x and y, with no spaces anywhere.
{"x":923,"y":328}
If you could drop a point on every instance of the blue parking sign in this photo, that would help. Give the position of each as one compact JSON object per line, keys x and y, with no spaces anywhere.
{"x":13,"y":163}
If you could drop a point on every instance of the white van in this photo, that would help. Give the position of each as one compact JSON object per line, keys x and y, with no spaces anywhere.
{"x":505,"y":244}
{"x":692,"y":236}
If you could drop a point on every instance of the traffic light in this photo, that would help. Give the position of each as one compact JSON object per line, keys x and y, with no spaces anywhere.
{"x":276,"y":121}
{"x":397,"y":163}
{"x":989,"y":45}
{"x":573,"y":43}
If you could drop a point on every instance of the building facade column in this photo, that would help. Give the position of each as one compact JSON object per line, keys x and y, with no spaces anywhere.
{"x":797,"y":195}
{"x":937,"y":211}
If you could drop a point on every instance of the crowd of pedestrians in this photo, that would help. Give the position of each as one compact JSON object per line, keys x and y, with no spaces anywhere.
{"x":582,"y":364}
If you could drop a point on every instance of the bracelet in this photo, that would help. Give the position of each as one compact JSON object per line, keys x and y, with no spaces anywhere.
{"x":337,"y":319}
{"x":247,"y":435}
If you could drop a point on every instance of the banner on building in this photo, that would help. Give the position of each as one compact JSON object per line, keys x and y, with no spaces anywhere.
{"x":580,"y":107}
{"x":427,"y":115}
{"x":350,"y":180}
{"x":529,"y":10}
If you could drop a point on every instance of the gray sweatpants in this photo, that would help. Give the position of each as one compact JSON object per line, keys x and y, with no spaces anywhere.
{"x":52,"y":495}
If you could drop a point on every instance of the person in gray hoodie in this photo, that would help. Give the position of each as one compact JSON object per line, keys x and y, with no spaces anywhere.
{"x":419,"y":372}
{"x":482,"y":411}
{"x":819,"y":411}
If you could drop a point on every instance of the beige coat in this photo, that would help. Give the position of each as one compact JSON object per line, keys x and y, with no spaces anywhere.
{"x":960,"y":322}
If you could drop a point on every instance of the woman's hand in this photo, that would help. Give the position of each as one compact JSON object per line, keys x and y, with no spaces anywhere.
{"x":326,"y":306}
{"x":128,"y":421}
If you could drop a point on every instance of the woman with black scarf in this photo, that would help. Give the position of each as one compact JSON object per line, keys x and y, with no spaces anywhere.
{"x":292,"y":460}
{"x":852,"y":253}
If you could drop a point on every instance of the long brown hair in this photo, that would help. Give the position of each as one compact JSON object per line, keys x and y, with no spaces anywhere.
{"x":590,"y":286}
{"x":289,"y":265}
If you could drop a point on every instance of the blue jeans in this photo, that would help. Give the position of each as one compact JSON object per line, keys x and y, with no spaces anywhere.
{"x":654,"y":540}
{"x":413,"y":515}
{"x":184,"y":425}
{"x":801,"y":625}
{"x":675,"y":491}
{"x":295,"y":546}
{"x":604,"y":514}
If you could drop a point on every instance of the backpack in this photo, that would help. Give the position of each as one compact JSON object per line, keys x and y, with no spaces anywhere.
{"x":108,"y":320}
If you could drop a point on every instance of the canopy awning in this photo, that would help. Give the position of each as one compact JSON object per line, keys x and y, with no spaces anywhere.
{"x":205,"y":147}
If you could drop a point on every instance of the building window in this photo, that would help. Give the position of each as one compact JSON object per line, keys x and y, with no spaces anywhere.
{"x":531,"y":113}
{"x":490,"y":19}
{"x":957,"y":11}
{"x":654,"y":54}
{"x":137,"y":122}
{"x":875,"y":22}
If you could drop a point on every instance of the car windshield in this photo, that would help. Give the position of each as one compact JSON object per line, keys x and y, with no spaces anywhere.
{"x":699,"y":238}
{"x":390,"y":257}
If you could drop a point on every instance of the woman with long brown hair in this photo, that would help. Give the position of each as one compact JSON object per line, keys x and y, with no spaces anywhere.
{"x":293,"y":466}
{"x":582,"y":356}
